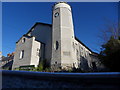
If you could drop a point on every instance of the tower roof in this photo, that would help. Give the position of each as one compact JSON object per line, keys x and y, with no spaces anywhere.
{"x":60,"y":2}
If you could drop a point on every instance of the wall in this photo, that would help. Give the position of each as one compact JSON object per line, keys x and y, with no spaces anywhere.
{"x":63,"y":33}
{"x":83,"y":56}
{"x":35,"y":53}
{"x":27,"y":47}
{"x":56,"y":36}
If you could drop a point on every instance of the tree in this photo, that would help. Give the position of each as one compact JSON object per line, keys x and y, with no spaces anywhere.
{"x":110,"y":29}
{"x":110,"y":49}
{"x":110,"y":55}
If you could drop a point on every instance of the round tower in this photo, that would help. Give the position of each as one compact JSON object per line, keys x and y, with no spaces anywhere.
{"x":63,"y":56}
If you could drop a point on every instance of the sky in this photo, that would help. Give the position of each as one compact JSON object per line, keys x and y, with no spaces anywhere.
{"x":88,"y":19}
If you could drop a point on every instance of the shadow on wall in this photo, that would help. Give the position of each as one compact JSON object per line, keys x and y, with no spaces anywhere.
{"x":84,"y":64}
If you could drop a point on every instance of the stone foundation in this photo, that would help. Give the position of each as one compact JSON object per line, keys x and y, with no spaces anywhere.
{"x":59,"y":67}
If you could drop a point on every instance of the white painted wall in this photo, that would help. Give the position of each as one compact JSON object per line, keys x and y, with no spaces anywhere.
{"x":35,"y":53}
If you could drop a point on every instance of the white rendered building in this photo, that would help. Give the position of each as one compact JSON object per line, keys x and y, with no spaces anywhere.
{"x":55,"y":43}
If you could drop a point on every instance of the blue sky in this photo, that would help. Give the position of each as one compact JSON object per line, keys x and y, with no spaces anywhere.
{"x":18,"y":18}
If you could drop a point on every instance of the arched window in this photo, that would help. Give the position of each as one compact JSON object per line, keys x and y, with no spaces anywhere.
{"x":57,"y":45}
{"x":23,"y":40}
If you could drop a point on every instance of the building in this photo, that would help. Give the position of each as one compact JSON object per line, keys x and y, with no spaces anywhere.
{"x":54,"y":43}
{"x":6,"y":62}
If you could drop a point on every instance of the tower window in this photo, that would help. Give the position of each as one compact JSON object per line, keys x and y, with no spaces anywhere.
{"x":56,"y":14}
{"x":21,"y":54}
{"x":56,"y":46}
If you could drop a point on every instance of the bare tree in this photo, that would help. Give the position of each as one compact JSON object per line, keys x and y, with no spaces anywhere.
{"x":110,"y":29}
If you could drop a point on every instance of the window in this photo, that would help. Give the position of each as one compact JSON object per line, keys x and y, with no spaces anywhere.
{"x":32,"y":29}
{"x":73,"y":45}
{"x":56,"y":46}
{"x":37,"y":49}
{"x":94,"y":65}
{"x":21,"y":54}
{"x":23,"y":40}
{"x":37,"y":53}
{"x":55,"y":62}
{"x":77,"y":52}
{"x":81,"y":48}
{"x":56,"y":14}
{"x":60,"y":67}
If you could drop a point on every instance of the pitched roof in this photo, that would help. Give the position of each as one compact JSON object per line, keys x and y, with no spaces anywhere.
{"x":24,"y":36}
{"x":37,"y":23}
{"x":32,"y":28}
{"x":83,"y":44}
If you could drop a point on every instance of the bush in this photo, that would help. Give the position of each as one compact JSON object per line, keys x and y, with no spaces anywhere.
{"x":5,"y":68}
{"x":47,"y":69}
{"x":40,"y":66}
